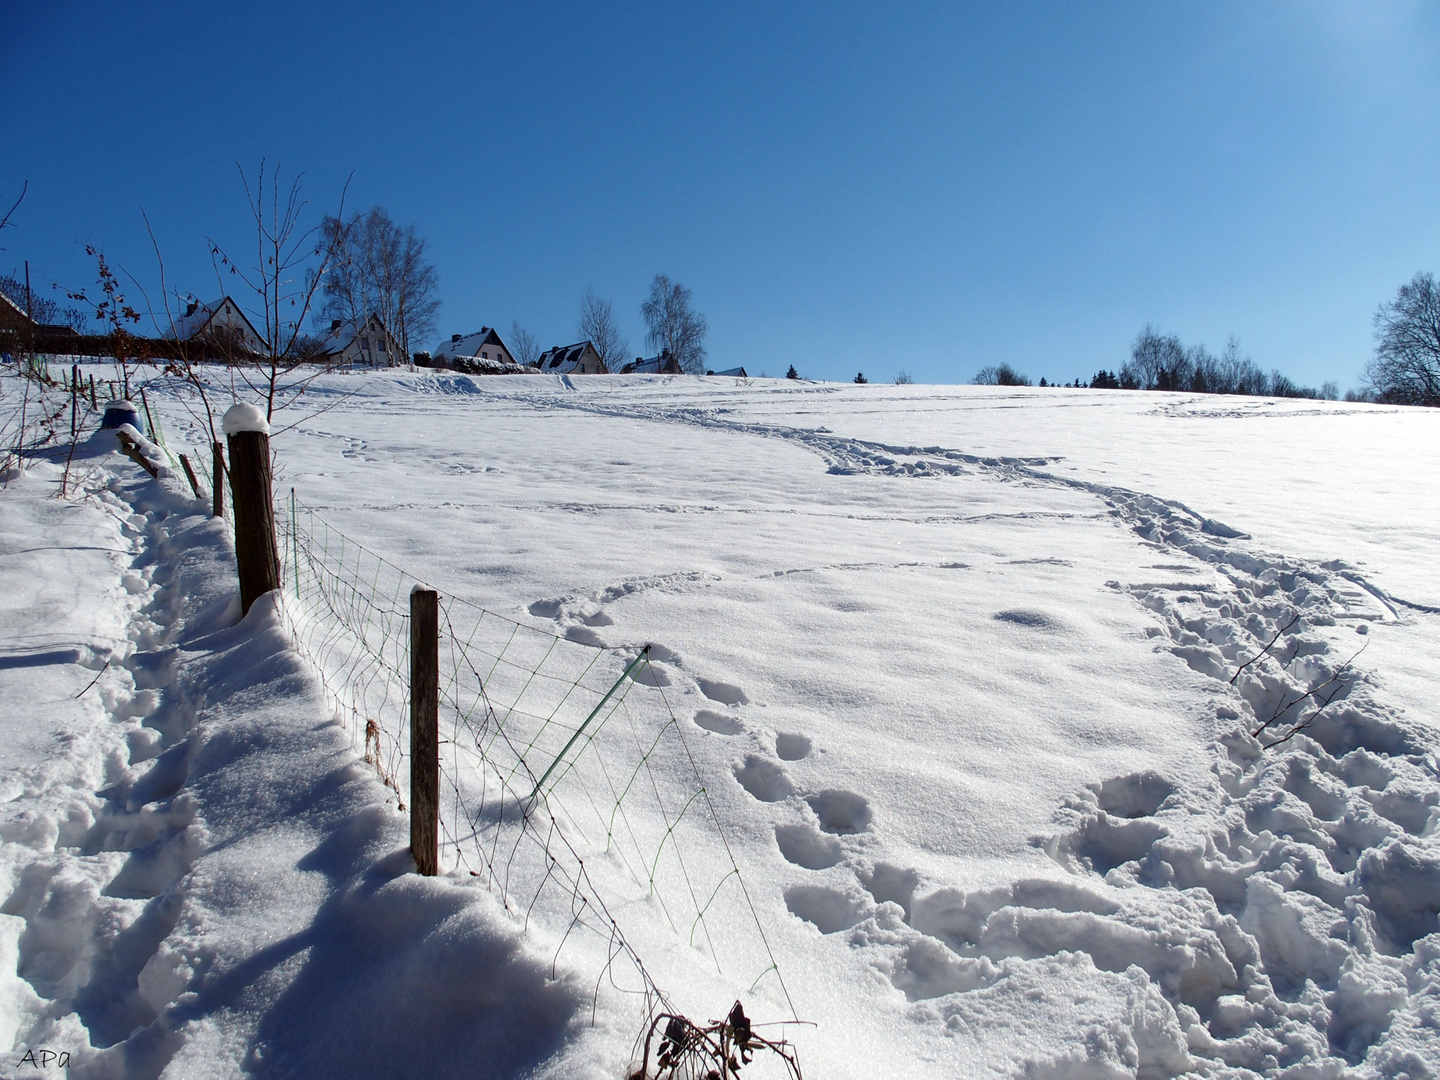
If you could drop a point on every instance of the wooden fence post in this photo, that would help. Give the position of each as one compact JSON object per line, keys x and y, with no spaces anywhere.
{"x":256,"y":556}
{"x":217,"y":480}
{"x":425,"y":730}
{"x":190,"y":475}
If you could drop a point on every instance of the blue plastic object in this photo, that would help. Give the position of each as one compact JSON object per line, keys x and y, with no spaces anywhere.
{"x":121,"y":412}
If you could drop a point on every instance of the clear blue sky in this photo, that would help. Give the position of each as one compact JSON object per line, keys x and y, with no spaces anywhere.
{"x":844,"y":186}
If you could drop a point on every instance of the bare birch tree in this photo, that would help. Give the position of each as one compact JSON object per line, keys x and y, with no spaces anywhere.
{"x":597,"y":323}
{"x":673,"y":325}
{"x":380,"y":267}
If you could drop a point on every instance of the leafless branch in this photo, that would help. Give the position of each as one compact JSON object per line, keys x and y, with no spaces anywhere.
{"x":1268,"y":645}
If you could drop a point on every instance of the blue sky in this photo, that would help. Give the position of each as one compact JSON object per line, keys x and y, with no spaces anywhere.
{"x":934,"y":187}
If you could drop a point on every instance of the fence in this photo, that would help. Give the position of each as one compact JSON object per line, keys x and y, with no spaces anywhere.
{"x":567,"y":786}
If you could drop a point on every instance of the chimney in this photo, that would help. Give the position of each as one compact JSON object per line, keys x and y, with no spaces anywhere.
{"x":454,"y":338}
{"x":335,"y":325}
{"x":190,"y":307}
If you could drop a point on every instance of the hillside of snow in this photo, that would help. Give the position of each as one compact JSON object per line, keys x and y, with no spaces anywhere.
{"x":976,"y":687}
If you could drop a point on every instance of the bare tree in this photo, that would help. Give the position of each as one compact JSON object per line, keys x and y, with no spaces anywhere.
{"x":1157,"y":362}
{"x":673,"y":326}
{"x":380,"y":267}
{"x":278,"y":280}
{"x":597,"y":323}
{"x":1003,"y":375}
{"x":44,"y":309}
{"x":523,"y":346}
{"x":1406,"y":366}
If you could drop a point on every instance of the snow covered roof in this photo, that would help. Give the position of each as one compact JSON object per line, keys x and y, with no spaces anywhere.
{"x":736,"y":372}
{"x":199,"y":318}
{"x":14,"y":308}
{"x":343,"y":332}
{"x":469,"y":344}
{"x":563,"y":359}
{"x":656,"y":365}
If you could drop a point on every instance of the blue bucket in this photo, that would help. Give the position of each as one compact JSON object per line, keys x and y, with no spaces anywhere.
{"x":121,"y":412}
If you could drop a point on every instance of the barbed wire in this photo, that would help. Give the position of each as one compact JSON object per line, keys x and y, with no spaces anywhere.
{"x":568,"y":789}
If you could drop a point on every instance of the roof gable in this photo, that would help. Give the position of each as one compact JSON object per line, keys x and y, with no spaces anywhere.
{"x":470,"y":344}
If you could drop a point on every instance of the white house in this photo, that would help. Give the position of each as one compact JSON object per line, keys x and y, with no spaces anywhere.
{"x":485,"y":344}
{"x":220,"y":320}
{"x":364,"y":342}
{"x":578,"y":359}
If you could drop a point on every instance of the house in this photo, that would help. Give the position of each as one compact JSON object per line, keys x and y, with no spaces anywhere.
{"x":734,"y":372}
{"x":17,"y":330}
{"x":664,"y":364}
{"x":484,"y":344}
{"x":578,"y":359}
{"x":13,"y":319}
{"x":367,"y":341}
{"x":222,"y":322}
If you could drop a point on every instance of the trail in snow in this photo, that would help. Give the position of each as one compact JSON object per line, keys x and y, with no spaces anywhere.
{"x":1308,"y":864}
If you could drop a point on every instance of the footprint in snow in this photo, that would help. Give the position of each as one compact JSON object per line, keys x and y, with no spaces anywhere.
{"x":805,"y":846}
{"x":792,"y":747}
{"x":764,"y":779}
{"x":841,"y":811}
{"x":720,"y":723}
{"x":723,"y":692}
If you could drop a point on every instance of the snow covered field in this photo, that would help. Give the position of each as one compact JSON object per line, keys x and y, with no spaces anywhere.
{"x":956,"y":668}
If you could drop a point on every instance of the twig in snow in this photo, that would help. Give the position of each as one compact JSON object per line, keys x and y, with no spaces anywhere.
{"x":1266,"y":649}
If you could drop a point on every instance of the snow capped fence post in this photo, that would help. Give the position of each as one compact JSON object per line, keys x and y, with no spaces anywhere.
{"x":425,"y":729}
{"x":256,"y":556}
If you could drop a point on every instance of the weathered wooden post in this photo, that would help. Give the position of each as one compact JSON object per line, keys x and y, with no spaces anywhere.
{"x":217,"y":480}
{"x":256,"y":556}
{"x":190,"y":475}
{"x":425,"y":730}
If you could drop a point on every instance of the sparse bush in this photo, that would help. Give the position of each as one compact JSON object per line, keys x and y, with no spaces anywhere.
{"x":720,"y":1049}
{"x":903,"y":378}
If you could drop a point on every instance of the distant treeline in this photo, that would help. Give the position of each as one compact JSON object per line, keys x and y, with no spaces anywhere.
{"x":1161,"y":362}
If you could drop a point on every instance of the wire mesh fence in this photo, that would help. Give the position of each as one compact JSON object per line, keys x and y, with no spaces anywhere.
{"x":567,"y":785}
